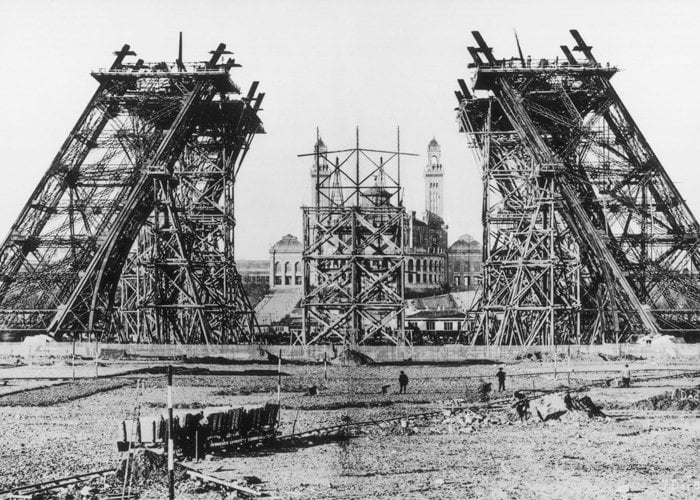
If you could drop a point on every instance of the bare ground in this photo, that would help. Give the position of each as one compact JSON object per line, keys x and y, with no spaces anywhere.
{"x":72,"y":428}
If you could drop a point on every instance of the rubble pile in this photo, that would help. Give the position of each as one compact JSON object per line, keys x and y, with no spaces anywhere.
{"x":622,"y":357}
{"x":466,"y":421}
{"x":554,"y":406}
{"x":452,"y":421}
{"x":679,"y":399}
{"x":540,"y":356}
{"x":353,"y":358}
{"x":144,"y":467}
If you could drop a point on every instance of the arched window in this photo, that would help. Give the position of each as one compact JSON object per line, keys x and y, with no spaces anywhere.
{"x":297,"y":273}
{"x":418,"y":265}
{"x":410,"y":265}
{"x":277,"y":279}
{"x":287,"y":273}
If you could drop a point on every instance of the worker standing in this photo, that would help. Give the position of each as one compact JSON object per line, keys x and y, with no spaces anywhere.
{"x":626,"y":376}
{"x":501,"y":375}
{"x":403,"y":382}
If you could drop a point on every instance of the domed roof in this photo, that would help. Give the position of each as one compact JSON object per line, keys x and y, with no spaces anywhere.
{"x":465,"y":241}
{"x":468,"y":238}
{"x":288,"y":243}
{"x":433,"y":143}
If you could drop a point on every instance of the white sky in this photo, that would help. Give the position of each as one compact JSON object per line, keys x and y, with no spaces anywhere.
{"x":335,"y":65}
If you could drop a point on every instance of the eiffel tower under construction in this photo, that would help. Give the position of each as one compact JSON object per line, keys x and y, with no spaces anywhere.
{"x":586,"y":239}
{"x":129,"y":236}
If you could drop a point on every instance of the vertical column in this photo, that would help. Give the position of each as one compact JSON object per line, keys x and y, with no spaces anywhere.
{"x":171,"y":450}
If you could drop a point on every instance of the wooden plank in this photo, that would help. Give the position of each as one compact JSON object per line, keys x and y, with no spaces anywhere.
{"x":212,"y":479}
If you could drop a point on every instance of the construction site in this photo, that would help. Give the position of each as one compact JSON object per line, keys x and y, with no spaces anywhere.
{"x":135,"y":363}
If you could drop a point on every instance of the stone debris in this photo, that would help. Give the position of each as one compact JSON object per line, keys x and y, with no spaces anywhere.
{"x":449,"y":421}
{"x":549,"y":407}
{"x":353,"y":358}
{"x":554,"y":406}
{"x":679,"y":399}
{"x":622,"y":357}
{"x":460,"y":420}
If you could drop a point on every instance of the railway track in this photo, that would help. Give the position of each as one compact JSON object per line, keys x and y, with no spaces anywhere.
{"x":28,"y":491}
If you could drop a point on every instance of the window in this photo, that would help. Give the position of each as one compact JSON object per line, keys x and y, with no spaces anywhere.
{"x":418,"y":265}
{"x":287,"y":280}
{"x":297,"y":280}
{"x":430,"y":325}
{"x":447,"y":325}
{"x":278,"y":280}
{"x":296,"y":269}
{"x":287,"y":268}
{"x":456,"y":280}
{"x":278,"y":268}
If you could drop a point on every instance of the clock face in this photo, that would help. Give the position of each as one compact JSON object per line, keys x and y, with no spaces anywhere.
{"x":433,"y":160}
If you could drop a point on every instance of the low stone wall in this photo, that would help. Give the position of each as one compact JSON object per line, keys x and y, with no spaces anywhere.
{"x":378,"y":353}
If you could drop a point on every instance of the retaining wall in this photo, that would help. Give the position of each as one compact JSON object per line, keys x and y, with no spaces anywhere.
{"x":450,"y":352}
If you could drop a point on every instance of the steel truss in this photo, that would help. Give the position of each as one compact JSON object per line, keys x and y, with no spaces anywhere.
{"x":586,"y":239}
{"x":129,"y":235}
{"x":354,"y":244}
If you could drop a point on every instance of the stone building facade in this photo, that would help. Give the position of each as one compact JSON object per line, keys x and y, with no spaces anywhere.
{"x":430,"y":264}
{"x":254,"y":271}
{"x":464,"y":263}
{"x":426,"y":246}
{"x":286,"y":269}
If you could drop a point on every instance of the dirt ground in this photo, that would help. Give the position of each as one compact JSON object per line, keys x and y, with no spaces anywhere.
{"x":55,"y":428}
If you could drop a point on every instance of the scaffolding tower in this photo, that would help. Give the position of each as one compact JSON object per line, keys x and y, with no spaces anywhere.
{"x":354,"y":241}
{"x":129,"y":235}
{"x":586,"y":239}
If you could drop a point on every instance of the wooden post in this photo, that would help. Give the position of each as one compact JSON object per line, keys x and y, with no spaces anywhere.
{"x":96,"y":348}
{"x":325,"y":366}
{"x":279,"y":378}
{"x":73,"y":359}
{"x":294,"y":425}
{"x":171,"y":451}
